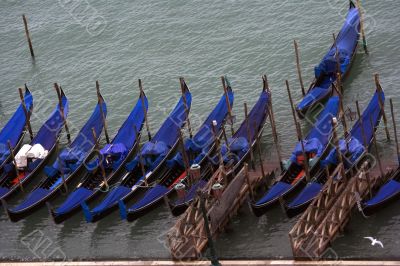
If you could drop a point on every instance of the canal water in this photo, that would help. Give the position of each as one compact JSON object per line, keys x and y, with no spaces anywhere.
{"x":77,"y":42}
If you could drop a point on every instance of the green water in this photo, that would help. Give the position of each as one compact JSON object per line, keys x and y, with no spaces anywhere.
{"x":117,"y":42}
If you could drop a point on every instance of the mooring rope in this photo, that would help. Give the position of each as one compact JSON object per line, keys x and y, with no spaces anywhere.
{"x":359,"y":207}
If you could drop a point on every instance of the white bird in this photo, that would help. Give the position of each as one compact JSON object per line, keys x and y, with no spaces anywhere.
{"x":374,"y":241}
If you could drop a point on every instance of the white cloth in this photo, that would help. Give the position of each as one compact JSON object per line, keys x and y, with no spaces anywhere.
{"x":37,"y":152}
{"x":32,"y":152}
{"x":21,"y":158}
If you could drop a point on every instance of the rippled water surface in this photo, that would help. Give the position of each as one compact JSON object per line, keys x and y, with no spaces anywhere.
{"x":117,"y":42}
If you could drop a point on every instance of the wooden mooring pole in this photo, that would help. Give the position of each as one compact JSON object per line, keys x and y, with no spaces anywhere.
{"x":296,"y":49}
{"x":103,"y":117}
{"x":381,"y":104}
{"x":291,"y":102}
{"x":144,"y":110}
{"x":28,"y":36}
{"x":60,"y":105}
{"x":395,"y":131}
{"x":228,"y":104}
{"x":305,"y":156}
{"x":27,"y":115}
{"x":362,"y":26}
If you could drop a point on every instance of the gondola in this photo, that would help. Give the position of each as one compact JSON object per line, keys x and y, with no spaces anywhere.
{"x":14,"y":131}
{"x":197,"y":150}
{"x":68,"y":165}
{"x":32,"y":157}
{"x":316,"y":145}
{"x":238,"y":147}
{"x":342,"y":52}
{"x":118,"y":152}
{"x":146,"y":166}
{"x":352,"y":158}
{"x":386,"y":194}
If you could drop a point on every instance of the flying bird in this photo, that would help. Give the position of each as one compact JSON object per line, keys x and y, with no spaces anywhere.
{"x":374,"y":241}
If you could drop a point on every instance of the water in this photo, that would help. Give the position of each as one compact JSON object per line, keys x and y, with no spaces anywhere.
{"x":117,"y":42}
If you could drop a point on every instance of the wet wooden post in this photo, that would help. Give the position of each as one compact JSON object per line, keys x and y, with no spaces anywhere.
{"x":246,"y":173}
{"x":103,"y":117}
{"x":376,"y":147}
{"x":15,"y":165}
{"x":361,"y":125}
{"x":338,"y":65}
{"x":381,"y":104}
{"x":57,"y":88}
{"x":395,"y":131}
{"x":103,"y":171}
{"x":28,"y":36}
{"x":306,"y":166}
{"x":291,"y":102}
{"x":362,"y":26}
{"x":337,"y":147}
{"x":249,"y":139}
{"x":60,"y":163}
{"x":296,"y":48}
{"x":183,"y":84}
{"x":144,"y":109}
{"x":228,"y":104}
{"x":184,"y":156}
{"x":141,"y":158}
{"x":273,"y":125}
{"x":258,"y":140}
{"x":343,"y":116}
{"x":27,"y":115}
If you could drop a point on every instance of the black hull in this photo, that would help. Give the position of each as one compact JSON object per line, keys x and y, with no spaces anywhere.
{"x":260,"y":209}
{"x":371,"y":209}
{"x":294,"y":211}
{"x":179,"y":209}
{"x":134,"y":215}
{"x":31,"y":176}
{"x":59,"y":218}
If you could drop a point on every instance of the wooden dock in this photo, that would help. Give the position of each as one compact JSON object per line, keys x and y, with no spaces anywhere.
{"x":188,"y":238}
{"x":329,"y":213}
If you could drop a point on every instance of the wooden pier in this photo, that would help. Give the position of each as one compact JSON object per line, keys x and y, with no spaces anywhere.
{"x":329,"y":213}
{"x":188,"y":238}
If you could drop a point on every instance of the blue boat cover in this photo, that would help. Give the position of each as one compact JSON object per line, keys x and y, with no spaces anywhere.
{"x":388,"y":190}
{"x":14,"y":128}
{"x":308,"y":193}
{"x":317,"y":139}
{"x":151,"y":195}
{"x":74,"y":200}
{"x":372,"y":112}
{"x":47,"y":134}
{"x":120,"y":146}
{"x":70,"y":158}
{"x":38,"y":194}
{"x":112,"y":197}
{"x":275,"y":192}
{"x":346,"y":42}
{"x":153,"y":153}
{"x":204,"y":138}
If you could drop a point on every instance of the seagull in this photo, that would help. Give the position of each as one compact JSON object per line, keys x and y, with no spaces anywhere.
{"x":374,"y":241}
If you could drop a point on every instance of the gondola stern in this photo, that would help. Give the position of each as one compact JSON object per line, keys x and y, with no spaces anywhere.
{"x":351,"y":4}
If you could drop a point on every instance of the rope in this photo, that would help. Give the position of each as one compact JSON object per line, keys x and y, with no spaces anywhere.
{"x":359,"y":207}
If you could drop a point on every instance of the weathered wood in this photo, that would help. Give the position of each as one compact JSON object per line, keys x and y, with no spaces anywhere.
{"x":28,"y":36}
{"x":381,"y":104}
{"x":101,"y":165}
{"x":15,"y":164}
{"x":362,"y":26}
{"x":144,"y":109}
{"x":57,"y":88}
{"x":183,"y":84}
{"x":291,"y":102}
{"x":296,"y":48}
{"x":228,"y":104}
{"x":26,"y":112}
{"x":249,"y":140}
{"x":395,"y":131}
{"x":305,"y":156}
{"x":103,"y":117}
